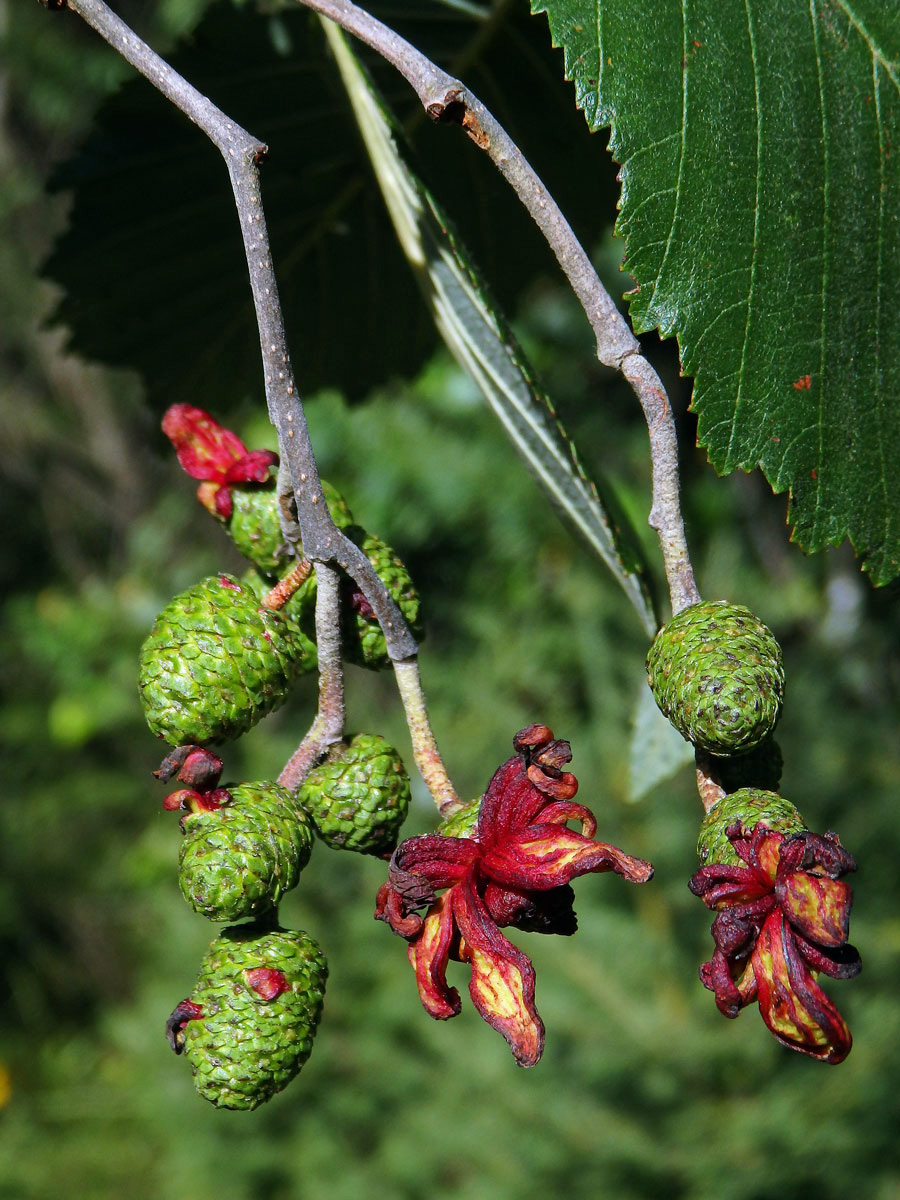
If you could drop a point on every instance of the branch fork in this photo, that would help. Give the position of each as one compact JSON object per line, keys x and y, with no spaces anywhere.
{"x":448,"y":101}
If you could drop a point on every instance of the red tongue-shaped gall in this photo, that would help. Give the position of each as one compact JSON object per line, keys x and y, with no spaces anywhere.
{"x":545,"y":757}
{"x":186,"y":1011}
{"x":208,"y":451}
{"x":268,"y":983}
{"x":187,"y":801}
{"x":194,"y":766}
{"x":514,"y":870}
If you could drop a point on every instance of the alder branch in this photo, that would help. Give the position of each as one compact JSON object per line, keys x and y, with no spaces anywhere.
{"x":328,"y":726}
{"x":322,"y":541}
{"x":425,"y":751}
{"x":447,"y":100}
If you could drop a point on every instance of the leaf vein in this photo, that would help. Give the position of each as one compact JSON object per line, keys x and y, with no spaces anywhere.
{"x":826,"y":238}
{"x":754,"y":254}
{"x":681,"y":157}
{"x":646,"y":150}
{"x":646,"y":200}
{"x":874,"y":50}
{"x":798,"y":437}
{"x":718,"y":317}
{"x":879,"y":283}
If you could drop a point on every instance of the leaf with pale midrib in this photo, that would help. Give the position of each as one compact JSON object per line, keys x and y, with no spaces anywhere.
{"x":760,"y":152}
{"x":478,"y":336}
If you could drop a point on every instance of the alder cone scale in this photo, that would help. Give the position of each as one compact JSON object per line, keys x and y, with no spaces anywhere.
{"x":716,"y":672}
{"x":749,"y":806}
{"x":359,"y":797}
{"x":463,"y":824}
{"x":248,"y":1042}
{"x":255,"y":526}
{"x":364,"y":642}
{"x":216,"y":662}
{"x":240,"y":859}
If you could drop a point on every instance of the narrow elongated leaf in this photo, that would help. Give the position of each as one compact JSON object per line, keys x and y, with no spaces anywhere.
{"x":656,"y":751}
{"x":761,"y":211}
{"x":481,"y":341}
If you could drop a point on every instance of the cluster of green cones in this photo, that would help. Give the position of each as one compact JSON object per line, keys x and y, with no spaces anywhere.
{"x":782,"y":904}
{"x":221,"y":656}
{"x":243,"y":848}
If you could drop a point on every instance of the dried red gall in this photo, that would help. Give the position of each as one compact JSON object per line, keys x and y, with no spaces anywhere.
{"x":268,"y":983}
{"x":186,"y":1011}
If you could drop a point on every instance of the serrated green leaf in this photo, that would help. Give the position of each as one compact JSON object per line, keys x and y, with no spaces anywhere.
{"x":482,"y":342}
{"x":761,"y":212}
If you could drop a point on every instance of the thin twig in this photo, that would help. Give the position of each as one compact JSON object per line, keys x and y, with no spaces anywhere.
{"x":708,"y":783}
{"x":665,"y":512}
{"x":425,"y":751}
{"x":322,"y":541}
{"x":288,"y":585}
{"x":447,"y":99}
{"x":328,"y":726}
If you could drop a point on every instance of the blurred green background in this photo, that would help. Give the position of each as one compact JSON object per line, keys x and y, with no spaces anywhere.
{"x":644,"y":1090}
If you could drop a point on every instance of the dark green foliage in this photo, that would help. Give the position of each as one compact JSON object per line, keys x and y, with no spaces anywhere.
{"x":245,"y":1048}
{"x":215,"y":662}
{"x":239,"y":860}
{"x":780,"y":296}
{"x":185,"y":282}
{"x":359,"y":796}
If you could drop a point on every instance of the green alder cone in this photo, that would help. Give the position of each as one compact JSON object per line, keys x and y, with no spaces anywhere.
{"x":255,"y":526}
{"x":255,"y":523}
{"x":749,"y":806}
{"x":300,"y":609}
{"x":363,"y":642}
{"x":716,"y":672}
{"x":462,"y":824}
{"x":239,"y":860}
{"x":244,"y":1048}
{"x":215,"y":663}
{"x":359,"y":797}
